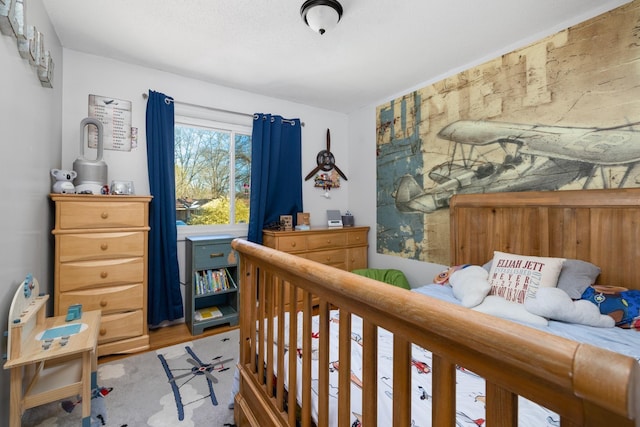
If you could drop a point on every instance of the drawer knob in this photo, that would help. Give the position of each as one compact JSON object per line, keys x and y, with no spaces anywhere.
{"x":103,"y":331}
{"x":293,"y":244}
{"x":216,"y":255}
{"x":104,"y":215}
{"x":329,"y":241}
{"x":104,"y":246}
{"x":103,"y":303}
{"x":104,"y":274}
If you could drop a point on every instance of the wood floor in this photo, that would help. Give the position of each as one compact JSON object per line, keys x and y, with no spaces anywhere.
{"x":169,"y":335}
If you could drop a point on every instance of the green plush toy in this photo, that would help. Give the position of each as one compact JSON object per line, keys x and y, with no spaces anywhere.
{"x":388,"y":275}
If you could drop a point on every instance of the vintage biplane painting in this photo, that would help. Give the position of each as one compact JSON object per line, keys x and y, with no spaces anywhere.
{"x":562,"y":113}
{"x":529,"y":157}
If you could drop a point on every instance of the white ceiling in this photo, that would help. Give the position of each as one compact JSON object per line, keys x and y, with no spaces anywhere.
{"x":379,"y":50}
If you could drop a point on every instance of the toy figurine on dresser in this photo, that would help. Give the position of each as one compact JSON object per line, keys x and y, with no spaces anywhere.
{"x":63,"y":181}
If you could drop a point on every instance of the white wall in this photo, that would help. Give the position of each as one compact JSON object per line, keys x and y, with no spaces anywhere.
{"x":87,"y":74}
{"x":30,"y":123}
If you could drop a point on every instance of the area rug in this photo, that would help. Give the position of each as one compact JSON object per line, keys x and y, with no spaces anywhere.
{"x":188,"y":384}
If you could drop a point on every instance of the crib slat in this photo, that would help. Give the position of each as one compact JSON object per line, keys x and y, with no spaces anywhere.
{"x":252,"y":314}
{"x":443,"y":391}
{"x":501,"y":407}
{"x":271,"y":285}
{"x":401,"y":381}
{"x":280,"y":392}
{"x":344,"y":369}
{"x":247,"y":317}
{"x":369,"y":374}
{"x":265,"y":277}
{"x":293,"y":373}
{"x":323,"y":360}
{"x":306,"y":360}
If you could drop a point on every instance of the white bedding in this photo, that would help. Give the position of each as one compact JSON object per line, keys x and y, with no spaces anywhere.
{"x":469,"y":388}
{"x":623,"y":341}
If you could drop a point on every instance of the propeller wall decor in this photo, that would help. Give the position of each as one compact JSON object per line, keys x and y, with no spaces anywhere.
{"x":326,"y":161}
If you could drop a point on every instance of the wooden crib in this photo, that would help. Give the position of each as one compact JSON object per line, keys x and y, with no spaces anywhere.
{"x":585,"y":385}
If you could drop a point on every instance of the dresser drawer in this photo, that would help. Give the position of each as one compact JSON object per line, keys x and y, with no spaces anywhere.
{"x":110,"y":299}
{"x":213,"y":256}
{"x":121,"y":326}
{"x":357,"y":237}
{"x":356,"y":258}
{"x":334,"y":258}
{"x":322,"y":241}
{"x":110,"y":214}
{"x":80,"y":247}
{"x":292,"y":243}
{"x":89,"y":274}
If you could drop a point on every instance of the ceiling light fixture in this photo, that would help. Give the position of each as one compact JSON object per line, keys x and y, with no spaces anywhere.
{"x":321,"y":15}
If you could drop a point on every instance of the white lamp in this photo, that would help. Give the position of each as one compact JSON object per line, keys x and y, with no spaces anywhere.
{"x":321,"y":15}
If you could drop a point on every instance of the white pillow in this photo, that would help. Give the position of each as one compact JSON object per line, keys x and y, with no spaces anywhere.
{"x":498,"y":306}
{"x":470,"y":285}
{"x":554,"y":303}
{"x":517,"y":277}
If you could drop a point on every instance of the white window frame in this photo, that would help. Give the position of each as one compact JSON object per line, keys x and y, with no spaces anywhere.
{"x":202,"y":117}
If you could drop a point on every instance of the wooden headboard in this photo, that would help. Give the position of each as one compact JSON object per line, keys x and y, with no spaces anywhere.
{"x":599,"y":226}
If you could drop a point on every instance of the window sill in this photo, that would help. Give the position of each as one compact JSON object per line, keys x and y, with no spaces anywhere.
{"x":237,"y":230}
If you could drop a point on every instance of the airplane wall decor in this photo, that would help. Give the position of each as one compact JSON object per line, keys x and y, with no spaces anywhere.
{"x":534,"y":157}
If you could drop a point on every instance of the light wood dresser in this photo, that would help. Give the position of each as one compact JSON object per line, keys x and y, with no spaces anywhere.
{"x":344,"y":248}
{"x":101,"y":263}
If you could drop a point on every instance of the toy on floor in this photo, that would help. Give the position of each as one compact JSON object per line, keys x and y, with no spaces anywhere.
{"x":98,"y":406}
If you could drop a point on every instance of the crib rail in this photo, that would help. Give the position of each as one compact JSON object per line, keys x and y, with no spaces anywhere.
{"x":587,"y":386}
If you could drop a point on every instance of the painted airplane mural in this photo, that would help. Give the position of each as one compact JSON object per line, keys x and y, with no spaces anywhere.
{"x":532,"y":157}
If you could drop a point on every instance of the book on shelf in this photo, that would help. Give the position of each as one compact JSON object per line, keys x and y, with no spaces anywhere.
{"x":205,"y":281}
{"x":207,"y":313}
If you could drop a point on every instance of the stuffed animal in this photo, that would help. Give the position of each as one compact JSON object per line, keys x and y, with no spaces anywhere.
{"x":63,"y":181}
{"x":621,"y":304}
{"x":443,"y":277}
{"x":471,"y":287}
{"x":554,"y":303}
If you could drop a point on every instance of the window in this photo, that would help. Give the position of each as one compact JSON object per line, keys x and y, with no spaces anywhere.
{"x":212,"y":172}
